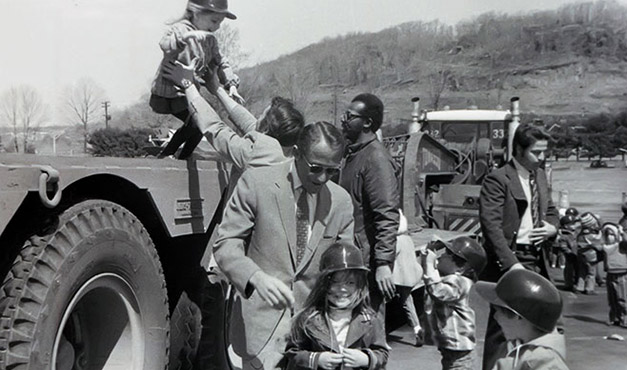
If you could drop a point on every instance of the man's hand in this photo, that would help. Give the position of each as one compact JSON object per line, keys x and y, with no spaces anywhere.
{"x":542,"y":233}
{"x":383,"y":276}
{"x":233,"y":93}
{"x":272,"y":290}
{"x":178,"y":73}
{"x":329,"y":360}
{"x":429,"y":259}
{"x":355,"y":358}
{"x":196,"y":35}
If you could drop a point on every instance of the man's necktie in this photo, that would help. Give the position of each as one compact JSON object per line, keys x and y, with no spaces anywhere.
{"x":533,"y":185}
{"x":302,"y":225}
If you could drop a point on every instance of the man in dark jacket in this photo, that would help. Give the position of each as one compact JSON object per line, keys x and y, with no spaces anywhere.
{"x":370,"y":176}
{"x":517,"y":215}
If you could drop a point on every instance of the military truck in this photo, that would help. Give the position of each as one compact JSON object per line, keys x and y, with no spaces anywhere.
{"x":101,"y":257}
{"x":100,"y":260}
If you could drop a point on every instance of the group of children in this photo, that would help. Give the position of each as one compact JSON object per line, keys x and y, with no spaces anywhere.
{"x":588,"y":245}
{"x":337,"y":329}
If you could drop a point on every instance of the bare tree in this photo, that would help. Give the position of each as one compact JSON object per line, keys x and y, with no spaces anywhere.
{"x":438,"y":82}
{"x":25,"y":111}
{"x":83,"y":102}
{"x":10,"y":110}
{"x":228,"y":41}
{"x":33,"y":111}
{"x":294,"y":82}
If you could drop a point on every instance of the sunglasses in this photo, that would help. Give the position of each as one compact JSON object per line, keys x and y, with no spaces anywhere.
{"x":316,"y":169}
{"x":348,"y":116}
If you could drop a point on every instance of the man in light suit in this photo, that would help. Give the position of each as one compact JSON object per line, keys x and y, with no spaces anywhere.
{"x":261,"y":252}
{"x":517,"y":215}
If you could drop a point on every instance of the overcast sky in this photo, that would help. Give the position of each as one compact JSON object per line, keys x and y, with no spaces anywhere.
{"x":52,"y":43}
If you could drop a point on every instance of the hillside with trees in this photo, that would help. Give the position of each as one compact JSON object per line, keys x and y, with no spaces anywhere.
{"x":566,"y":65}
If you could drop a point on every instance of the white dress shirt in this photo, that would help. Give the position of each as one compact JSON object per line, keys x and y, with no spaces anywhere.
{"x":526,"y":223}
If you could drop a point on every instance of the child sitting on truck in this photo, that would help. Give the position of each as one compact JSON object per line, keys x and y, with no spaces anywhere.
{"x":188,"y":40}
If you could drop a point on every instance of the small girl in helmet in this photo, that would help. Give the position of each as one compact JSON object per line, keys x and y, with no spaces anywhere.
{"x":448,"y":280}
{"x":589,"y":252}
{"x":615,"y":248}
{"x":337,"y":327}
{"x":191,"y":40}
{"x":570,"y":227}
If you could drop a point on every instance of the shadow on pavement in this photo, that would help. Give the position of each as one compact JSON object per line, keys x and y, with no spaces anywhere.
{"x":585,"y":319}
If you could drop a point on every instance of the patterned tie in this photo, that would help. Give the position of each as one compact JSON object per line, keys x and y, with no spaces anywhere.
{"x":533,"y":185}
{"x":302,"y":225}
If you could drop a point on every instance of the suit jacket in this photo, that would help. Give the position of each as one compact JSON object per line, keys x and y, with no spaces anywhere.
{"x":502,"y":203}
{"x":366,"y":332}
{"x":258,"y":232}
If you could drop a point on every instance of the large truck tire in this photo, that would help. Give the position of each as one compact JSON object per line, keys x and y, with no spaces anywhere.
{"x":197,"y":323}
{"x":186,"y":329}
{"x":91,"y":295}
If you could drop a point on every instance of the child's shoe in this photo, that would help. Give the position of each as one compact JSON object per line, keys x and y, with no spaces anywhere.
{"x":420,"y":338}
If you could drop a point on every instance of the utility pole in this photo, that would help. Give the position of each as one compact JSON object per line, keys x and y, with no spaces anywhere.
{"x":335,"y":87}
{"x":105,"y":105}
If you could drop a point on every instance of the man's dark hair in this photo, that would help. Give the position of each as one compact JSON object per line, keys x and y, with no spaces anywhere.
{"x":317,"y":132}
{"x":374,"y":109}
{"x":282,"y":122}
{"x":526,"y":135}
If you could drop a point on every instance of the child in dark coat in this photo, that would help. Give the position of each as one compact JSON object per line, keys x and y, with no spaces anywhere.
{"x":337,"y":328}
{"x":615,"y":248}
{"x":570,"y":227}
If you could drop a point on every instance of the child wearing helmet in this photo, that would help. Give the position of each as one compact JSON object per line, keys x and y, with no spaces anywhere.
{"x":589,"y":251}
{"x":448,"y":280}
{"x":191,"y":39}
{"x":570,"y":227}
{"x":337,"y":327}
{"x":527,"y":307}
{"x":615,"y":248}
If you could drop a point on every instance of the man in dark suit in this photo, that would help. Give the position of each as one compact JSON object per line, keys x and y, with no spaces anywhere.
{"x":276,"y":226}
{"x":517,"y":215}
